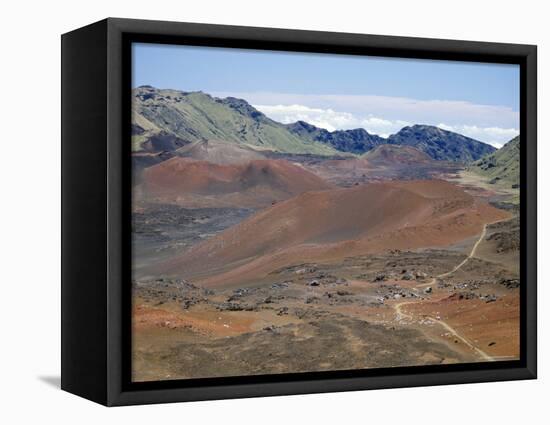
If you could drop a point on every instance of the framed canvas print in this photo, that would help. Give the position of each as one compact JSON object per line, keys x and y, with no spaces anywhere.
{"x":253,"y":212}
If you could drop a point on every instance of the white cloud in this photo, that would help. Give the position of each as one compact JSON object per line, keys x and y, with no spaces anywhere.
{"x":324,"y":118}
{"x":330,"y":119}
{"x":385,"y":115}
{"x":418,"y":111}
{"x":383,"y":127}
{"x":493,"y":135}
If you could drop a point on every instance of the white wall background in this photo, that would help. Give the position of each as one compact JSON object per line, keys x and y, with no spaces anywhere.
{"x":30,"y":211}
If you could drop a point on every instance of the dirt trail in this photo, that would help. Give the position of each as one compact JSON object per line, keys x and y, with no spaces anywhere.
{"x":470,"y":255}
{"x":472,"y":252}
{"x":448,"y":328}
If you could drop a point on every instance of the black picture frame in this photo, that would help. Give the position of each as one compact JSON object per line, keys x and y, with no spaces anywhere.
{"x":96,"y":173}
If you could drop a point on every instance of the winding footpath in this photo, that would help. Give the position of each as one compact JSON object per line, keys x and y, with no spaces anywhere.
{"x":448,"y":328}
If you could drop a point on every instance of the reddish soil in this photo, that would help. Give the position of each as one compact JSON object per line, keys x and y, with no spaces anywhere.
{"x":199,"y":183}
{"x":333,"y":224}
{"x":211,"y":323}
{"x":493,"y":327}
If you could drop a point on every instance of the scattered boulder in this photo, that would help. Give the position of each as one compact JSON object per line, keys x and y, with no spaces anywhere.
{"x":282,"y":311}
{"x":280,"y":285}
{"x":188,"y":302}
{"x":442,"y":284}
{"x":421,"y":275}
{"x":510,"y":283}
{"x":240,"y":292}
{"x":470,"y":285}
{"x":300,"y":269}
{"x":466,"y":295}
{"x":233,"y":297}
{"x":313,"y":282}
{"x":428,"y":290}
{"x":229,"y":306}
{"x":489,"y":298}
{"x":380,"y":277}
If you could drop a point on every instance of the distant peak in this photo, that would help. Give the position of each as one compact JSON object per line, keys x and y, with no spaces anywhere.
{"x":235,"y":99}
{"x":425,"y":128}
{"x":304,"y":125}
{"x":420,"y":127}
{"x":241,"y":106}
{"x":359,"y":130}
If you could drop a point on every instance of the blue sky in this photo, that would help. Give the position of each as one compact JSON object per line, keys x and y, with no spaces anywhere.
{"x":339,"y":92}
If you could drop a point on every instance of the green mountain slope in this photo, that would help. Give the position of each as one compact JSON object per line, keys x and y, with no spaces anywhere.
{"x":501,"y":166}
{"x":441,"y":144}
{"x":166,"y":120}
{"x":197,"y":116}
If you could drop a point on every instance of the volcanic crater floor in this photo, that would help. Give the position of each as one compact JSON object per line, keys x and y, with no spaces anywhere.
{"x":396,"y":308}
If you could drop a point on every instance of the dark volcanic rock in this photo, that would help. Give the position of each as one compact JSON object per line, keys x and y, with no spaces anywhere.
{"x":242,"y":106}
{"x":164,"y":142}
{"x":441,"y":144}
{"x":355,"y":141}
{"x":510,"y":283}
{"x":136,"y":129}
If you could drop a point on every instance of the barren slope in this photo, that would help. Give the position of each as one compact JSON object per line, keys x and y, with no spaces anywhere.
{"x":200,"y":184}
{"x":395,"y":155}
{"x":219,"y":152}
{"x":333,"y":224}
{"x":385,"y":162}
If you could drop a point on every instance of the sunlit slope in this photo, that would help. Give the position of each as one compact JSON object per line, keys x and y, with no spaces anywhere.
{"x":197,"y":116}
{"x":502,"y":166}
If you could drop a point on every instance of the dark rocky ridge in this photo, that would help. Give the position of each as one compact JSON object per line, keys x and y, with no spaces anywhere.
{"x":439,"y":144}
{"x":356,"y":141}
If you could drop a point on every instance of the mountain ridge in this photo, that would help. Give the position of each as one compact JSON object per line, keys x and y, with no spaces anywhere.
{"x":441,"y":144}
{"x":501,"y":166}
{"x":189,"y":117}
{"x":357,"y":141}
{"x":197,"y":116}
{"x":438,"y":143}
